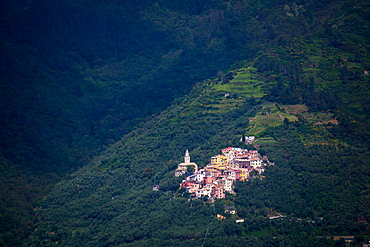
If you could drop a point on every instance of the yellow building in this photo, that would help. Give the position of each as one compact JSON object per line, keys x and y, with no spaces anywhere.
{"x":219,"y":162}
{"x":243,"y":174}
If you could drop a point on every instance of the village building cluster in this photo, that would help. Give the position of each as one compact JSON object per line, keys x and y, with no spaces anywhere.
{"x":219,"y":176}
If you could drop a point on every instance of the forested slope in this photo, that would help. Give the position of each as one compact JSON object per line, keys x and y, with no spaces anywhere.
{"x":74,"y":83}
{"x":75,"y":77}
{"x":319,"y":145}
{"x":320,"y":188}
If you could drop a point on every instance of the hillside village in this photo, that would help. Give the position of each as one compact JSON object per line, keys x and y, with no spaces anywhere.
{"x":219,"y":176}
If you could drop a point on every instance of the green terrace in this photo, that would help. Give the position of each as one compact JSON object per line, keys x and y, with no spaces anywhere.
{"x":272,"y":115}
{"x":295,"y":109}
{"x":272,"y":119}
{"x":221,"y":96}
{"x":245,"y":84}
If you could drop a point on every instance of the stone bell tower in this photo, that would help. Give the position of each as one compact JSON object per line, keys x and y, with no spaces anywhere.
{"x":187,"y":156}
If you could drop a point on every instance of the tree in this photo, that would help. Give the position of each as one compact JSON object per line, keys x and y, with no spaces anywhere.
{"x":243,"y":138}
{"x":190,"y":168}
{"x":148,"y":172}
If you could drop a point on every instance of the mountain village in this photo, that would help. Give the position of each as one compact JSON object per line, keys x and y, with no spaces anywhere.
{"x":219,"y":176}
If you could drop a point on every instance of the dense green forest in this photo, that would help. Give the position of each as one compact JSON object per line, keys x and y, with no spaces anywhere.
{"x":100,"y":99}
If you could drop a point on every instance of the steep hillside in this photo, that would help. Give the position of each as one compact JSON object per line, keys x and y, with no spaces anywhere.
{"x":75,"y":77}
{"x":319,"y":181}
{"x":74,"y":83}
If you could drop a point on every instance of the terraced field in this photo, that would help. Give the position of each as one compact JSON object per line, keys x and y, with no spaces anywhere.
{"x":245,"y":84}
{"x":273,"y":119}
{"x":295,"y":109}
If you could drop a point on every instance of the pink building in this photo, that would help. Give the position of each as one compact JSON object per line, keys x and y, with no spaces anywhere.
{"x":218,"y":192}
{"x":209,"y":180}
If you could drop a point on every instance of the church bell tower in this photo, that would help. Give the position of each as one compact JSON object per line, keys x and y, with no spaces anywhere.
{"x":187,"y":156}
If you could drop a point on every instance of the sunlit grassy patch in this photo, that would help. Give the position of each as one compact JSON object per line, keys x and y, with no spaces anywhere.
{"x":244,"y":84}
